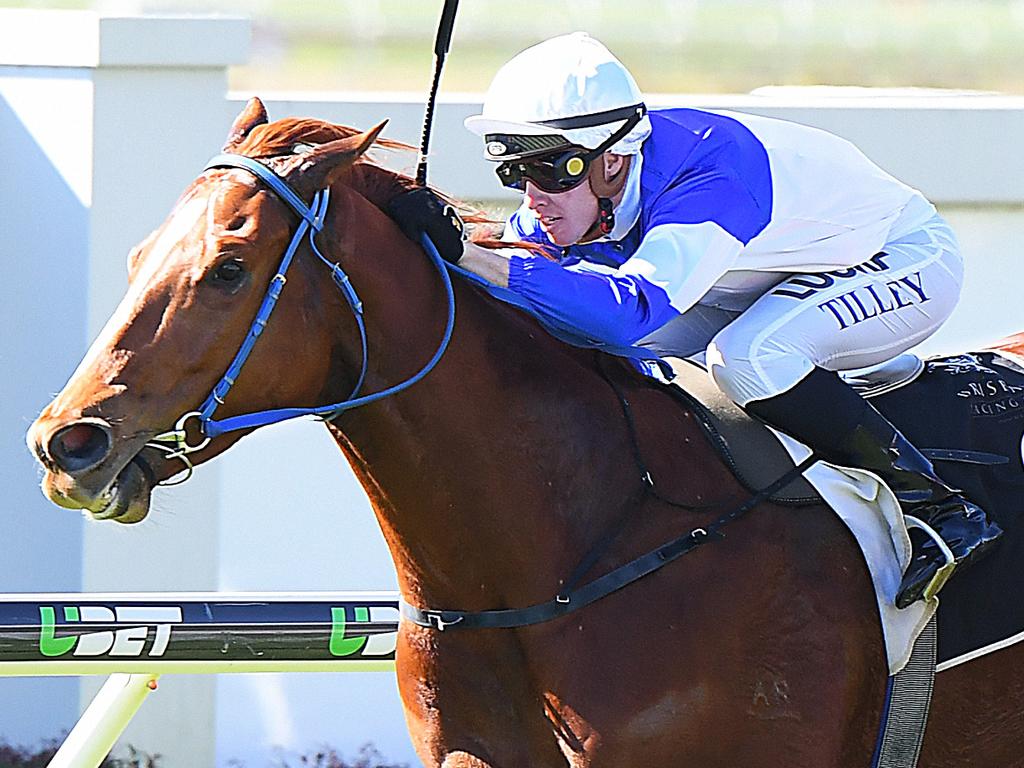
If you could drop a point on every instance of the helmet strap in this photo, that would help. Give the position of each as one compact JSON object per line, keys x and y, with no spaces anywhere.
{"x":605,"y":215}
{"x":605,"y":222}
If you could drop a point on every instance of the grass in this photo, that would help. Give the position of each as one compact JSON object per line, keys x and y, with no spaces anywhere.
{"x":672,"y":46}
{"x":18,"y":756}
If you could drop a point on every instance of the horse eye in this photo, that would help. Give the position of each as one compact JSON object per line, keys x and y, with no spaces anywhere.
{"x":228,"y":274}
{"x":236,"y":223}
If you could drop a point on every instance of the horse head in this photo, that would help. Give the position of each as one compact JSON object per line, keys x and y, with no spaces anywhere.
{"x":195,"y":285}
{"x":140,"y":401}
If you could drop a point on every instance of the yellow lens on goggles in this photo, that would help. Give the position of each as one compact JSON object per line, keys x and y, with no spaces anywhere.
{"x":574,"y":166}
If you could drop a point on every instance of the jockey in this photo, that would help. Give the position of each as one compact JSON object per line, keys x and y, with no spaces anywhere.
{"x":773,"y":253}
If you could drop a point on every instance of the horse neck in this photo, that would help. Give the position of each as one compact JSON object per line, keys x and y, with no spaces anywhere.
{"x":491,"y":475}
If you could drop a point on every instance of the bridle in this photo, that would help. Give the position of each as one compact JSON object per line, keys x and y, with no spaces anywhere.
{"x":174,"y":443}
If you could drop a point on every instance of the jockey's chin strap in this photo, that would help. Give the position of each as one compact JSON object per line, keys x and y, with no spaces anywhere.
{"x":175,"y":443}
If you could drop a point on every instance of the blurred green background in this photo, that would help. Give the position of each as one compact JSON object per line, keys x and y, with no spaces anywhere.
{"x":695,"y":46}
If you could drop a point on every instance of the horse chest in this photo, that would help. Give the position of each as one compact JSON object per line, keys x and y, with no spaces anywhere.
{"x":469,"y":701}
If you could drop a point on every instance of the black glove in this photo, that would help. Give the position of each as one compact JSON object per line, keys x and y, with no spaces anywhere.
{"x":420,"y":210}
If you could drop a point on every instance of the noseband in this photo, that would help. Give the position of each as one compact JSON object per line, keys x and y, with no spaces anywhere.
{"x":174,"y":443}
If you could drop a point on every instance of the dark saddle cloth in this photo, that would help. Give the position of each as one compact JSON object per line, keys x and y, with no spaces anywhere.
{"x":967,"y":414}
{"x":974,"y":402}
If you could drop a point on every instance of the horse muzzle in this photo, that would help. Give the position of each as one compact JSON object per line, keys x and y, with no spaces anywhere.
{"x":89,"y":470}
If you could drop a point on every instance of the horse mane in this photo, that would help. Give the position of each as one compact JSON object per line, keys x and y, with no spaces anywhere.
{"x":369,"y":178}
{"x":282,"y":136}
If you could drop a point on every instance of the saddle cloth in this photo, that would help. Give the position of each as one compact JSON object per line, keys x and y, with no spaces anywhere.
{"x":975,"y":402}
{"x":759,"y":455}
{"x":955,"y":388}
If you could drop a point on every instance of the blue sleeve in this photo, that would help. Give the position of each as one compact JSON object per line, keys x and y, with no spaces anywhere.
{"x":601,"y":304}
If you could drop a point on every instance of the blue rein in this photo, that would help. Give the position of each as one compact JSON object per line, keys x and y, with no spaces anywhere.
{"x":312,"y":222}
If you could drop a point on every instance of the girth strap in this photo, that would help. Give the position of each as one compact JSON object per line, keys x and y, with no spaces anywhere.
{"x":601,"y":586}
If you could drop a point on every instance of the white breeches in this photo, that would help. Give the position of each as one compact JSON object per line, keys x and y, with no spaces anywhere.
{"x":838,"y":320}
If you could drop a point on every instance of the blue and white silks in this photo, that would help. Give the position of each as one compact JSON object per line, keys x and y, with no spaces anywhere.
{"x":717,"y":209}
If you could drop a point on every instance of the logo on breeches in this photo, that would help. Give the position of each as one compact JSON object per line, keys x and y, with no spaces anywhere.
{"x":805,"y":286}
{"x":862,"y":303}
{"x":869,"y":301}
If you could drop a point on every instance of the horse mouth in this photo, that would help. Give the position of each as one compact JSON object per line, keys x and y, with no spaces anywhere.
{"x":126,"y":500}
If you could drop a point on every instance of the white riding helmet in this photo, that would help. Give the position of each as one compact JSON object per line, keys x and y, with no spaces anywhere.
{"x":541,"y":90}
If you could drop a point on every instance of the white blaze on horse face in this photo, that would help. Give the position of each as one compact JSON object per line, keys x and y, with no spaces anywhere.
{"x":102,"y":359}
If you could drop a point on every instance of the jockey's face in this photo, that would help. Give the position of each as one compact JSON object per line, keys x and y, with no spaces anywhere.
{"x":564,"y":216}
{"x":568,"y":216}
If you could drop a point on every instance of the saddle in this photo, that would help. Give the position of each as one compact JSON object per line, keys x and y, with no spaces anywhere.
{"x":966,"y":413}
{"x":750,"y":448}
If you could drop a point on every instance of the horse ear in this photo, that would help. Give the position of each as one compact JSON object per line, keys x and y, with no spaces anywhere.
{"x":322,"y":166}
{"x":253,"y":114}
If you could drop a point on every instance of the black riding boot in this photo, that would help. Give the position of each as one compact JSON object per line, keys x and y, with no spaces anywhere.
{"x":827,"y":415}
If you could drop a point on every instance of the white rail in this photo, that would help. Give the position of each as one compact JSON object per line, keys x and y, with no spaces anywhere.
{"x":136,"y":637}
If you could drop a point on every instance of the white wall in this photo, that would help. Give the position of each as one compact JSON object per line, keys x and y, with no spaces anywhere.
{"x":41,"y":546}
{"x":103,"y":121}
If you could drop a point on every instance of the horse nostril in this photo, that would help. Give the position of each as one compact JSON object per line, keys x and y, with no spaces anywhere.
{"x":80,"y":446}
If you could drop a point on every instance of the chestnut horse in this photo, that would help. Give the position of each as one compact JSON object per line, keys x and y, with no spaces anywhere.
{"x":491,"y":479}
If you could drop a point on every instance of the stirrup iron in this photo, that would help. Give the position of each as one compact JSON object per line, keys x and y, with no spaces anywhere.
{"x":942,"y":575}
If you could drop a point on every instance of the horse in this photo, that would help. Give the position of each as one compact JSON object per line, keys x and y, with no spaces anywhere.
{"x":491,"y":478}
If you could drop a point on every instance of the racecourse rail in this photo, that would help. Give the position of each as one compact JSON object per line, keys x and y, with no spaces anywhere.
{"x":136,"y":637}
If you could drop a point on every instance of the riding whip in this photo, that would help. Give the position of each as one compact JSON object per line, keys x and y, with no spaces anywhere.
{"x":441,"y":44}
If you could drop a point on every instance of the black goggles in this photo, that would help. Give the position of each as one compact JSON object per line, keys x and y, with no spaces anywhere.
{"x":554,"y":173}
{"x":551,"y":162}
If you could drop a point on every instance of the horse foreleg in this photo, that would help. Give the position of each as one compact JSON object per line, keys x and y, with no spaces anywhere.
{"x":469,"y":702}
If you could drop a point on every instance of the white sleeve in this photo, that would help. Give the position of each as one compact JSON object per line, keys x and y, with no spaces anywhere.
{"x":684,"y":260}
